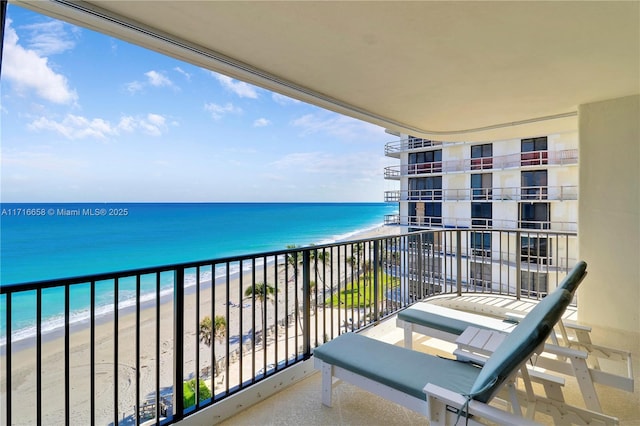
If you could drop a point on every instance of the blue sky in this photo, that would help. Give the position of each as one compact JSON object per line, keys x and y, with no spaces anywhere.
{"x":86,"y":117}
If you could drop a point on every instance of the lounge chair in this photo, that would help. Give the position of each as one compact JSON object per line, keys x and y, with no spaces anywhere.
{"x":571,"y":359}
{"x":429,"y":385}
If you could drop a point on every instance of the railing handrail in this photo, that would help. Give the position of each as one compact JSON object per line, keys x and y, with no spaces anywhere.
{"x":126,"y":273}
{"x":438,"y":223}
{"x":496,"y":193}
{"x":416,"y":143}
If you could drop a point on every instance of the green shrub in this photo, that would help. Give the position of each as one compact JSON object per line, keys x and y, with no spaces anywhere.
{"x":190,"y":394}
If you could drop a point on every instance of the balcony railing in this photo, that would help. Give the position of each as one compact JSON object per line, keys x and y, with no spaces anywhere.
{"x":501,"y":162}
{"x":396,"y":147}
{"x":431,"y":222}
{"x":392,"y":219}
{"x":131,"y":347}
{"x":529,"y":193}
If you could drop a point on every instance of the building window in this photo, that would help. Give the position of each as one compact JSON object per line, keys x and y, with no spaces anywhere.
{"x":425,"y":214}
{"x":533,"y":283}
{"x":535,"y":215}
{"x":427,"y":188}
{"x":535,"y":250}
{"x":534,"y":185}
{"x":480,"y":275}
{"x":481,"y":186}
{"x":482,"y":156}
{"x":534,"y":151}
{"x":425,"y":162}
{"x":433,"y":211}
{"x":481,"y":214}
{"x":481,"y":244}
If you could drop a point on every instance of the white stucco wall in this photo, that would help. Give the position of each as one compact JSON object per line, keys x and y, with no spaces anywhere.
{"x":609,"y":213}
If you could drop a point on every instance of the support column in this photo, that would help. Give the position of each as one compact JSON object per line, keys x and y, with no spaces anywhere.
{"x":609,"y":213}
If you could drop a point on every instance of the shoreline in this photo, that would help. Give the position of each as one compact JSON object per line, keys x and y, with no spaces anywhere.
{"x":107,"y":316}
{"x":23,"y":355}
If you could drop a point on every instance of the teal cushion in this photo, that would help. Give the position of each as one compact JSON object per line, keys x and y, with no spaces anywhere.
{"x":574,"y":277}
{"x":402,"y":369}
{"x":519,"y":345}
{"x":435,"y":321}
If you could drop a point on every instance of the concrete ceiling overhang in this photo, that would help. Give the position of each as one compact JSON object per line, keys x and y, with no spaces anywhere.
{"x":445,"y":70}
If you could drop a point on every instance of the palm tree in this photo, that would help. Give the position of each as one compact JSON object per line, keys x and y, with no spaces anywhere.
{"x":210,"y":330}
{"x":353,"y":262}
{"x":319,"y":256}
{"x":261,"y":291}
{"x":294,"y":258}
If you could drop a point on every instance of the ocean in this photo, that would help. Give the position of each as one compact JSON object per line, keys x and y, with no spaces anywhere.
{"x":62,"y":240}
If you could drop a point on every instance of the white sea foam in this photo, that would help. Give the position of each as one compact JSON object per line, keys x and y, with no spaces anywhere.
{"x":349,"y":235}
{"x":127,"y":300}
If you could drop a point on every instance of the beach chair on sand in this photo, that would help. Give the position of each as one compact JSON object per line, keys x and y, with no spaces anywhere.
{"x":446,"y":389}
{"x":571,"y":358}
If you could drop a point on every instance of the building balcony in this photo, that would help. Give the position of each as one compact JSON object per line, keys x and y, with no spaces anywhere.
{"x":533,"y":193}
{"x":395,"y":148}
{"x":503,"y":162}
{"x":436,"y":222}
{"x":130,"y":346}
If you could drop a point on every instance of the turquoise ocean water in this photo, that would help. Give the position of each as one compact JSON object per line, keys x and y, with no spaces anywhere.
{"x":46,"y":241}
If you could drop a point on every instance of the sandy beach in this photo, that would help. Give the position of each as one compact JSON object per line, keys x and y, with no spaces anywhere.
{"x":282,"y":342}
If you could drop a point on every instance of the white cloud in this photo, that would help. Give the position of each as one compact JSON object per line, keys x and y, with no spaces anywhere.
{"x":156,"y":79}
{"x":354,"y":165}
{"x":40,"y":159}
{"x":134,"y":86}
{"x":78,"y":127}
{"x":27,"y":70}
{"x":283,"y":100}
{"x":156,"y":119}
{"x":49,"y":38}
{"x":75,"y":127}
{"x":261,"y":122}
{"x":128,"y":124}
{"x":217,"y":111}
{"x":341,"y":126}
{"x":183,"y":72}
{"x":153,"y":125}
{"x":240,"y":88}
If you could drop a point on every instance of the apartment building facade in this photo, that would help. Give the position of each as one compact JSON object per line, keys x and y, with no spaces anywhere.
{"x":508,"y":190}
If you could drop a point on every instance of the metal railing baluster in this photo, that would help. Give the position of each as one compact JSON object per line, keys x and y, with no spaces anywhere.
{"x":92,"y":354}
{"x":157,"y":349}
{"x":389,"y":273}
{"x":178,"y":344}
{"x":39,"y":356}
{"x":137,"y":349}
{"x":306,"y":303}
{"x":116,"y":420}
{"x":197,"y":345}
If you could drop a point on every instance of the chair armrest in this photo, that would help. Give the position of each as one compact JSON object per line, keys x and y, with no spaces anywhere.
{"x":575,"y":326}
{"x":564,"y":351}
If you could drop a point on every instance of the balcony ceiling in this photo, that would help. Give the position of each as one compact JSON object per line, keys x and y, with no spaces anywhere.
{"x":437,"y":69}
